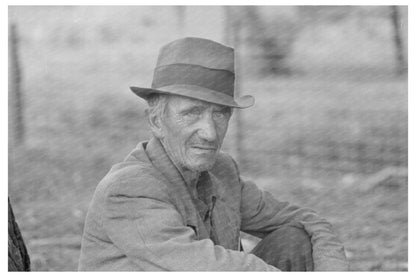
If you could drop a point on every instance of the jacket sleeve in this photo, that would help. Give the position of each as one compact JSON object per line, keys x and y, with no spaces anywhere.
{"x":262,"y":214}
{"x":151,"y":233}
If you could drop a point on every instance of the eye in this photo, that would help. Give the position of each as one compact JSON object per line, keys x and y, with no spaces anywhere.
{"x":220,"y":114}
{"x":194,"y":112}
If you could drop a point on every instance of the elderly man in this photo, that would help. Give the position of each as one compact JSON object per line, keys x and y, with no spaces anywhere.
{"x":178,"y":203}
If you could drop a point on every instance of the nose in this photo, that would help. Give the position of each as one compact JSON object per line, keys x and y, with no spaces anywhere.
{"x":207,"y":130}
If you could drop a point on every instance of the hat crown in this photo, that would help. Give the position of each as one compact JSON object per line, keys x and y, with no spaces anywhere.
{"x":197,"y":51}
{"x":196,"y":68}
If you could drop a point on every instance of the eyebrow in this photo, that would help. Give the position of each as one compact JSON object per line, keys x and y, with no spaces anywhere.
{"x":191,"y":107}
{"x":222,"y":109}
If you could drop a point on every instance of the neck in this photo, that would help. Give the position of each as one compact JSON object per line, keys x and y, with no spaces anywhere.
{"x":190,"y":177}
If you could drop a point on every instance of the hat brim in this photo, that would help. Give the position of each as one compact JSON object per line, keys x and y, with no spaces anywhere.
{"x":199,"y":93}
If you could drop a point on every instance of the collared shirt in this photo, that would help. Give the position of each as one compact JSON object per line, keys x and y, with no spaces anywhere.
{"x":143,"y":217}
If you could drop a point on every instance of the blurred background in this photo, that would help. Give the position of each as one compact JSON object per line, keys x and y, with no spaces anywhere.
{"x":328,"y":130}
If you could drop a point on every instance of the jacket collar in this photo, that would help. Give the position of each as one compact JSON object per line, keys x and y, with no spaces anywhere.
{"x":161,"y":161}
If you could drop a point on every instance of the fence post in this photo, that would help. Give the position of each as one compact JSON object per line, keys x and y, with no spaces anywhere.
{"x":398,"y":42}
{"x":227,"y":26}
{"x":16,"y":118}
{"x":239,"y":132}
{"x":181,"y":18}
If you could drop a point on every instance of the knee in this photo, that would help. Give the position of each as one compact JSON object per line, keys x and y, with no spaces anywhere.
{"x":288,"y":248}
{"x":290,"y":237}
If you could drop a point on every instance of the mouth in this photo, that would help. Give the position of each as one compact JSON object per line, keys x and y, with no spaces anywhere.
{"x":204,"y":148}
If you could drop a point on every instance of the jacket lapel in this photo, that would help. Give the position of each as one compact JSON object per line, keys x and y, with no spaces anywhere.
{"x":225,"y":221}
{"x":161,"y":161}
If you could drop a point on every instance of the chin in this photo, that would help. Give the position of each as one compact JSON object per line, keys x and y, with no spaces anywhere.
{"x":202,"y":166}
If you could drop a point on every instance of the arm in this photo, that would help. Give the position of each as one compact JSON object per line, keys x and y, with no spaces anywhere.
{"x":151,"y":233}
{"x":262,"y":213}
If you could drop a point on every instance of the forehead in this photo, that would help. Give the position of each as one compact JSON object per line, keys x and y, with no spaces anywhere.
{"x":180,"y":103}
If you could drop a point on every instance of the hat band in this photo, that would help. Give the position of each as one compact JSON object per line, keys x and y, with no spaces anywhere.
{"x":188,"y":74}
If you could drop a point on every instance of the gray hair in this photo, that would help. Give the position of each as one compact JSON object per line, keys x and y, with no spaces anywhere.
{"x":157,"y":104}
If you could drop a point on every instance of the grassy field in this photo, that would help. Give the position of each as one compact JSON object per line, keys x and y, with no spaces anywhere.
{"x":81,"y":118}
{"x":55,"y":174}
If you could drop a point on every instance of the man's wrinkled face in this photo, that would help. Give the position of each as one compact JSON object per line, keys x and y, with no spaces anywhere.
{"x":193,"y":132}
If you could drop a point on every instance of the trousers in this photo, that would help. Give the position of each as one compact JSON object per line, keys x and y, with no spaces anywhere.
{"x":288,"y":248}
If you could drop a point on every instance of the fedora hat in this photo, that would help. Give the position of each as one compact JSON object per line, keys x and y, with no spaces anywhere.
{"x":197,"y":68}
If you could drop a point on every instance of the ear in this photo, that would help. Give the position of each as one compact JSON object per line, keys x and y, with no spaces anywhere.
{"x":155,"y":123}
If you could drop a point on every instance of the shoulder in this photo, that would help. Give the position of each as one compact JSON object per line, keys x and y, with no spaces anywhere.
{"x":133,"y":179}
{"x":225,"y":165}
